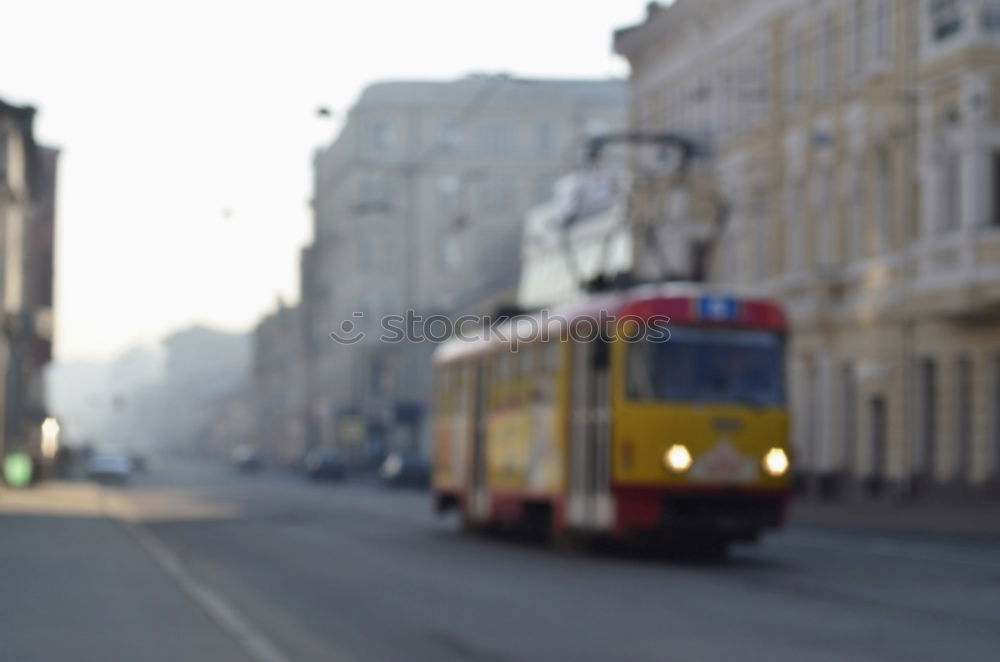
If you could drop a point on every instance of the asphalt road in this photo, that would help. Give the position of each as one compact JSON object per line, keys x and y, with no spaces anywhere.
{"x":198,"y":563}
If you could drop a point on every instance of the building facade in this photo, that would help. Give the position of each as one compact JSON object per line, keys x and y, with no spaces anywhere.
{"x":418,"y":205}
{"x":278,"y":377}
{"x":206,"y":374}
{"x":856,"y":144}
{"x":27,"y":227}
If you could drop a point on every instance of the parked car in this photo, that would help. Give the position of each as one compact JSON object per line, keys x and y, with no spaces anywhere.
{"x":246,"y":459}
{"x":322,"y":465}
{"x":405,"y":469}
{"x":110,"y":468}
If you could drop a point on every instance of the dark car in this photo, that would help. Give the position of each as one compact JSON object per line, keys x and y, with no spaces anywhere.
{"x":405,"y":470}
{"x":324,"y":465}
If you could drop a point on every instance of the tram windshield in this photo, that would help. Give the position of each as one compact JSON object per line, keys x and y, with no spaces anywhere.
{"x":707,"y":365}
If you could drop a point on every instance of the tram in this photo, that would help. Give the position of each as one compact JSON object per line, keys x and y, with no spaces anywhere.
{"x":657,"y":412}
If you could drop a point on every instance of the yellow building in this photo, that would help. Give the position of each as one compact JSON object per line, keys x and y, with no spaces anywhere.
{"x":857,"y":146}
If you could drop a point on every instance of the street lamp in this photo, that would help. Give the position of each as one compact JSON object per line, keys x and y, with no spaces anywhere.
{"x":50,"y":437}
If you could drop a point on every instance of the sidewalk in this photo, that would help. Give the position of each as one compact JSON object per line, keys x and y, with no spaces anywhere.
{"x":77,"y":586}
{"x":972,"y":519}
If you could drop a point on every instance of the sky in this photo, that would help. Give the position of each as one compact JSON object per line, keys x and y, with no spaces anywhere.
{"x":187,"y":131}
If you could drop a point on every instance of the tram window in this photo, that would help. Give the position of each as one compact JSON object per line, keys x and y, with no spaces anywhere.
{"x":703,"y":365}
{"x":520,"y":359}
{"x":550,"y":356}
{"x":442,"y":389}
{"x":492,"y":381}
{"x":504,"y":368}
{"x":543,"y":389}
{"x":526,"y":359}
{"x":602,"y":354}
{"x":538,"y":358}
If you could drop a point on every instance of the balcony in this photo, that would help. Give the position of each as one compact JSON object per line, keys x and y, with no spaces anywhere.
{"x":958,"y":274}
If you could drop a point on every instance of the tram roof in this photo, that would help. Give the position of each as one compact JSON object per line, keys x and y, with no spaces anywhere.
{"x":685,"y":304}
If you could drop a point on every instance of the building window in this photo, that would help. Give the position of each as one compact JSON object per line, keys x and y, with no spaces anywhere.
{"x":883,"y":197}
{"x":855,"y":50}
{"x":824,"y":74}
{"x":450,"y":137}
{"x":759,"y":96}
{"x":497,"y":138}
{"x":963,"y":416}
{"x":823,"y":240}
{"x":447,"y":195}
{"x":762,"y":232}
{"x":793,"y":69}
{"x":951,"y":194}
{"x":945,"y":19}
{"x":855,"y":204}
{"x":375,"y":191}
{"x":793,"y":227}
{"x":382,"y":136}
{"x":883,"y":29}
{"x":928,"y":417}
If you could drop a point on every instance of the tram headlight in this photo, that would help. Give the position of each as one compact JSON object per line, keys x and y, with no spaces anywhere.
{"x":776,"y":462}
{"x":677,"y":458}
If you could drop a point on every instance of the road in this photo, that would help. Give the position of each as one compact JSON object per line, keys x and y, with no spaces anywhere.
{"x":194,"y":562}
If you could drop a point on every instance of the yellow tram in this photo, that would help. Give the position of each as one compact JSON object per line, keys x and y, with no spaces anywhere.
{"x":658,"y":411}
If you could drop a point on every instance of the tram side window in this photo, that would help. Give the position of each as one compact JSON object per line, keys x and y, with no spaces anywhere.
{"x":444,"y":389}
{"x":544,"y":378}
{"x":501,"y":368}
{"x":521,"y":362}
{"x":500,"y":384}
{"x":550,"y":356}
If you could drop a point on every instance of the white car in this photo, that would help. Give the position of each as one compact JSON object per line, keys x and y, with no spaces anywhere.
{"x":113,"y":468}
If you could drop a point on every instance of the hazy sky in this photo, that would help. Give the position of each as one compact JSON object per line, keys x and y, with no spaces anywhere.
{"x":171,"y":113}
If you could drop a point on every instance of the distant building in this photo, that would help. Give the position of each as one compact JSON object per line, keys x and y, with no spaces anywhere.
{"x":27,"y":227}
{"x":202,"y":368}
{"x":857,"y":146}
{"x":419,"y":204}
{"x":279,"y":404}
